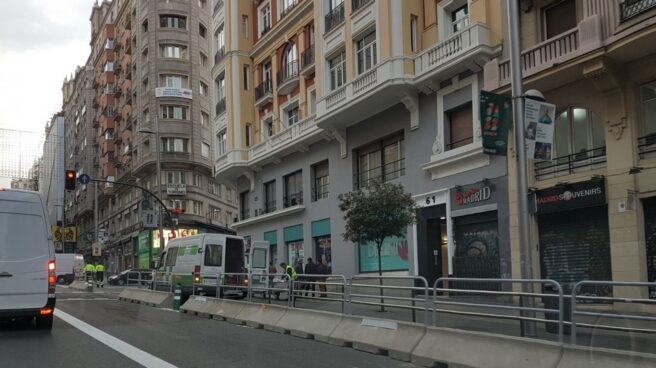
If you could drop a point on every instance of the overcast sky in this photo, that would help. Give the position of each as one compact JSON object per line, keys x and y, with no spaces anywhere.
{"x":41,"y":42}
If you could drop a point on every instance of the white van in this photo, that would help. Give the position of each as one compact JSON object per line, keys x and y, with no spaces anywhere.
{"x":195,"y":262}
{"x":27,"y":258}
{"x":69,"y":265}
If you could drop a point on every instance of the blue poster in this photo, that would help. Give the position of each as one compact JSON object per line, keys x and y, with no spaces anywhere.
{"x":394,"y":255}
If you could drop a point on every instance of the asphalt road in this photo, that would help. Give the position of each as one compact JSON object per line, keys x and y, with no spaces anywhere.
{"x":160,"y":338}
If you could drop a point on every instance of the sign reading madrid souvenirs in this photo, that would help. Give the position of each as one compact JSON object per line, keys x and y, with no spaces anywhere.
{"x":173,"y":92}
{"x":571,"y":196}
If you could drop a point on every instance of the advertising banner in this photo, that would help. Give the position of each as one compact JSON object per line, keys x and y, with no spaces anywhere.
{"x":142,"y":251}
{"x":495,"y":120}
{"x":394,"y":255}
{"x":539,"y":118}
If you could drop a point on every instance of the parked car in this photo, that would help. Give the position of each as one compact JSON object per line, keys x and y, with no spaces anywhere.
{"x":27,"y":259}
{"x":131,"y":277}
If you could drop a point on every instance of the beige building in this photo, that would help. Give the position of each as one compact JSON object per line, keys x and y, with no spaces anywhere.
{"x":596,"y":213}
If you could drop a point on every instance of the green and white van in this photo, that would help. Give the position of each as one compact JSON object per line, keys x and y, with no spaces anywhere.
{"x":196,"y":261}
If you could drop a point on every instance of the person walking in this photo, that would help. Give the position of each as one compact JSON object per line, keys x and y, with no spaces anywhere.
{"x":322,"y":269}
{"x":298,"y":267}
{"x":310,"y":269}
{"x":289,"y":271}
{"x":100,"y":275}
{"x":89,"y":270}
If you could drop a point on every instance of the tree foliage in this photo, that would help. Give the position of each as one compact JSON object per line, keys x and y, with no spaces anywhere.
{"x":377,"y":212}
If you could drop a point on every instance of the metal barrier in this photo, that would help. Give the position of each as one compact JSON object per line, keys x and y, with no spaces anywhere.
{"x":269,"y":287}
{"x":139,"y":281}
{"x":521,"y":309}
{"x":307,"y":281}
{"x":611,"y":299}
{"x":381,"y":287}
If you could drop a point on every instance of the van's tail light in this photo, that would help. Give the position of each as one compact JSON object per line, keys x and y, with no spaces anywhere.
{"x":246,"y":280}
{"x":197,"y":274}
{"x":52,"y":278}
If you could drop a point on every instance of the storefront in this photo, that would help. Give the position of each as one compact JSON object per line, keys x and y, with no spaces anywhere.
{"x":573,"y":232}
{"x":649,"y":206}
{"x":293,"y":237}
{"x":480,"y":224}
{"x":432,"y":241}
{"x":272,"y":238}
{"x":322,"y":242}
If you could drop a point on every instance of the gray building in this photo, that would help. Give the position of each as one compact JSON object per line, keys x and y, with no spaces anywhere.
{"x":51,"y":169}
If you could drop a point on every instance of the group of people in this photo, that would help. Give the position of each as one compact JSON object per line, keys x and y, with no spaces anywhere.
{"x":95,"y":272}
{"x":306,"y":277}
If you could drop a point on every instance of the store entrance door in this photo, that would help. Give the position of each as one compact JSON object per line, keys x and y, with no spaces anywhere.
{"x":432,"y":248}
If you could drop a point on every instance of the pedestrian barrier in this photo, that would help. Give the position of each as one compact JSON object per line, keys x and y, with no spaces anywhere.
{"x":446,"y":296}
{"x":261,"y":315}
{"x":301,"y":289}
{"x":148,"y":297}
{"x":614,"y":300}
{"x":308,"y":324}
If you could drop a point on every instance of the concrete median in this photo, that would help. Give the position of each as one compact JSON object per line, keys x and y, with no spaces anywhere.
{"x":378,"y":336}
{"x":78,"y":285}
{"x":309,"y":324}
{"x":148,"y":297}
{"x":261,"y":315}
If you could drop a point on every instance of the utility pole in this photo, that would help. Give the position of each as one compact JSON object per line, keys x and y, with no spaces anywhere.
{"x":95,"y":211}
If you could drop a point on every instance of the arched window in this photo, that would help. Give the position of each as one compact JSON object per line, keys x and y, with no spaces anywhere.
{"x":577,"y":130}
{"x":289,"y":59}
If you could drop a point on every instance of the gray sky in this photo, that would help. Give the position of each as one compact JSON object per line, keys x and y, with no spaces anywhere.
{"x":41,"y":42}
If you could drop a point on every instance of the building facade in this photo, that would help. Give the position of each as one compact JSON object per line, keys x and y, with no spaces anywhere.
{"x":51,"y":169}
{"x":352,"y":91}
{"x":594,"y":213}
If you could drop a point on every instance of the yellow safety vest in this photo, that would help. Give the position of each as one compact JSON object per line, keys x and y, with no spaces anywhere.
{"x":291,"y":274}
{"x":89,"y":268}
{"x":100,"y":268}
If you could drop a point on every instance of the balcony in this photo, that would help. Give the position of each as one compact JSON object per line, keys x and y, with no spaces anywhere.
{"x":220,"y":107}
{"x":291,"y":139}
{"x":269,"y":206}
{"x":647,"y":146}
{"x":107,"y":145}
{"x":292,"y":199}
{"x":288,"y":78}
{"x":471,"y":46}
{"x":571,"y":164}
{"x":106,"y":100}
{"x":632,"y":8}
{"x":263,"y":93}
{"x":288,"y":9}
{"x":357,"y":4}
{"x":219,"y":55}
{"x":335,"y":17}
{"x":244,"y":213}
{"x":231,"y":164}
{"x":307,"y":61}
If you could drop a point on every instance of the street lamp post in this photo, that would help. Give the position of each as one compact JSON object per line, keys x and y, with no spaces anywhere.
{"x":158,"y":169}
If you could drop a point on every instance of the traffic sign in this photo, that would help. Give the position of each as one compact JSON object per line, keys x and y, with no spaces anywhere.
{"x":84,"y":179}
{"x":96,"y":250}
{"x":149,"y":219}
{"x":145,"y":204}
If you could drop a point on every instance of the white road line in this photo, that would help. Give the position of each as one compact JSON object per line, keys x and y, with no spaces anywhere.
{"x":137,"y":355}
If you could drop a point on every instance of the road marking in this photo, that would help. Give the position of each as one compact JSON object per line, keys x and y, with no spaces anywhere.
{"x":132,"y":352}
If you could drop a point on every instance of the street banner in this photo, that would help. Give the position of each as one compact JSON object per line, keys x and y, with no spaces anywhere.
{"x":539,"y":118}
{"x":495,"y":120}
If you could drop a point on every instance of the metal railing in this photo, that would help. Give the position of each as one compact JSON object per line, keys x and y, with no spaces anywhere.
{"x":220,"y":106}
{"x":565,"y":165}
{"x":263,"y":89}
{"x":357,"y":4}
{"x":293,"y":199}
{"x":334,"y":17}
{"x":302,"y":285}
{"x":307,"y":57}
{"x":292,"y":4}
{"x":139,"y":281}
{"x":632,"y":8}
{"x":459,"y":143}
{"x":610,"y":299}
{"x":269,"y":206}
{"x":647,"y":145}
{"x":288,"y":72}
{"x":219,"y":55}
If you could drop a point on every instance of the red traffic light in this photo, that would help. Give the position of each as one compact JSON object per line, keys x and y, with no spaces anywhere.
{"x":69,"y":182}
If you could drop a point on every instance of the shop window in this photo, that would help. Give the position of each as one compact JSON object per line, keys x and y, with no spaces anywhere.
{"x":293,"y":189}
{"x":394,"y":255}
{"x":558,"y":18}
{"x":323,"y":251}
{"x":295,"y":252}
{"x":383,"y":160}
{"x":579,"y":132}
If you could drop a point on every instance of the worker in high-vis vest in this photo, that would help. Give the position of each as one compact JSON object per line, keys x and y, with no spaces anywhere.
{"x":289,"y":270}
{"x":89,"y":270}
{"x":100,"y":275}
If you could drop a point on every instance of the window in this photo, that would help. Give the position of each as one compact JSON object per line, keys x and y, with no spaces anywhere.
{"x":458,"y":126}
{"x":173,"y":51}
{"x":214,"y":213}
{"x":205,"y":150}
{"x":366,"y":53}
{"x":648,"y":108}
{"x":312,"y":101}
{"x":213,"y":255}
{"x":244,"y":204}
{"x":175,"y":145}
{"x":173,"y":81}
{"x":264,"y":21}
{"x":202,"y":30}
{"x":174,"y":112}
{"x":244,"y":26}
{"x":203,"y":59}
{"x":204,"y":118}
{"x":249,"y":134}
{"x":176,"y":177}
{"x":211,"y":188}
{"x":204,"y":89}
{"x":202,"y":3}
{"x":219,"y":38}
{"x":460,"y":18}
{"x":293,"y":189}
{"x":290,"y":58}
{"x":196,"y":207}
{"x":177,"y":204}
{"x":320,"y":181}
{"x":220,"y":86}
{"x":577,"y":131}
{"x":198,"y":180}
{"x":413,"y":33}
{"x":337,"y":71}
{"x":292,"y":116}
{"x":267,"y":128}
{"x":144,"y":26}
{"x":172,"y":255}
{"x":270,"y":196}
{"x":245,"y":72}
{"x":383,"y":160}
{"x":222,"y":142}
{"x":558,"y":18}
{"x":172,"y":21}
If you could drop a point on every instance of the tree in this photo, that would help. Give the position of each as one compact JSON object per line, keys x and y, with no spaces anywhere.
{"x":375,"y":213}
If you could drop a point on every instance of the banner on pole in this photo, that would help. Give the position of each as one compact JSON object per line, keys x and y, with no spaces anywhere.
{"x":495,"y":119}
{"x":539,"y":118}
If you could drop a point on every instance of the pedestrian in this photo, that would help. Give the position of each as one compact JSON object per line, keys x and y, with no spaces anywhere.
{"x":310,"y":269}
{"x":322,"y":269}
{"x":272,"y":271}
{"x":289,"y":271}
{"x":298,"y":267}
{"x":89,"y":270}
{"x":100,"y":274}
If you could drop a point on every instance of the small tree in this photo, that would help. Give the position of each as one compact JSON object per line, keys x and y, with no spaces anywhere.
{"x":375,"y":213}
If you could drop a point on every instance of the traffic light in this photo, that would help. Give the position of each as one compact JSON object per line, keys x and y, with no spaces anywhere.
{"x":69,"y":183}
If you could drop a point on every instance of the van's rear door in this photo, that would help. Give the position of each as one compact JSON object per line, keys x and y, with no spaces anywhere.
{"x":24,"y":251}
{"x":259,"y":257}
